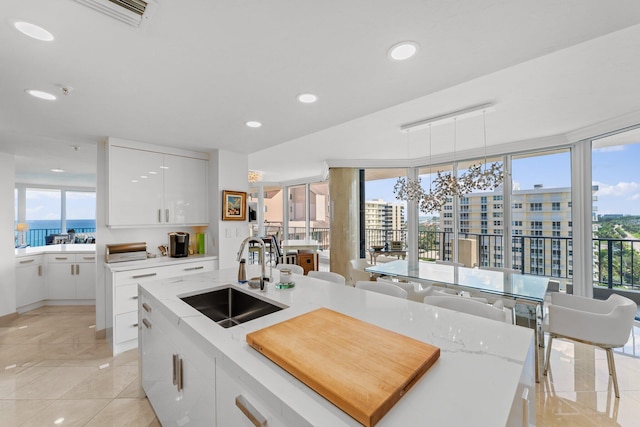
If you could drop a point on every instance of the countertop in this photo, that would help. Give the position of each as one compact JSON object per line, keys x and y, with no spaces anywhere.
{"x":473,"y":383}
{"x":154,"y":262}
{"x":76,"y":248}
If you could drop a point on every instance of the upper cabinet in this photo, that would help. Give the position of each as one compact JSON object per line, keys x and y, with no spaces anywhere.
{"x":150,"y":188}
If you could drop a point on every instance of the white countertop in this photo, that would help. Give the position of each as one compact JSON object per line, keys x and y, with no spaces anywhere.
{"x":76,"y":248}
{"x":154,"y":262}
{"x":473,"y":382}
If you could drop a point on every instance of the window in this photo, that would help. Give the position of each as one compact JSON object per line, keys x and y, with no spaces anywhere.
{"x":497,"y":223}
{"x":483,"y":200}
{"x":555,"y":206}
{"x":483,"y":215}
{"x":497,"y":206}
{"x":517,"y":205}
{"x":497,"y":214}
{"x":517,"y":223}
{"x":535,"y":206}
{"x":497,"y":198}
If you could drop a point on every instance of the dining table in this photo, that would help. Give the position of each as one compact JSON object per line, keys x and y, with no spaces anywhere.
{"x":524,"y":289}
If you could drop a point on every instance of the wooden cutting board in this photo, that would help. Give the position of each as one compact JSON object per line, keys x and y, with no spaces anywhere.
{"x":361,"y":368}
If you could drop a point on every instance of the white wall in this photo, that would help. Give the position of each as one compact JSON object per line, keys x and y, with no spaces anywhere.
{"x":228,"y":171}
{"x":7,"y":250}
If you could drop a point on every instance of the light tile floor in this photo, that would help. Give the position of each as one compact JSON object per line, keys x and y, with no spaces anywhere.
{"x":53,"y":371}
{"x":578,"y":390}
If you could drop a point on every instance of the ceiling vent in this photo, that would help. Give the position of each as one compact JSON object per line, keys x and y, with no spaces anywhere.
{"x":136,"y":13}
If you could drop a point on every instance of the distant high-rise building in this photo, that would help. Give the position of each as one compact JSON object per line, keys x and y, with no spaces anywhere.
{"x":384,"y":221}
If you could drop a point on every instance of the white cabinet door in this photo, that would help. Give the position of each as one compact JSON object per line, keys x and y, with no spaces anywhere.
{"x":30,"y":281}
{"x":85,"y":277}
{"x":135,"y":187}
{"x":178,"y":378}
{"x":61,"y":280}
{"x":185,"y":190}
{"x":236,"y":402}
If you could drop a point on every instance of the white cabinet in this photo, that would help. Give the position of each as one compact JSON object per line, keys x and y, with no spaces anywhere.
{"x":177,"y":376}
{"x":240,"y":403}
{"x":30,"y":281}
{"x":71,"y":277}
{"x":122,"y":294}
{"x":149,"y":188}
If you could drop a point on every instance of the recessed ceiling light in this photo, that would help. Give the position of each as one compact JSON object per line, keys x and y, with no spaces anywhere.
{"x":307,"y":98}
{"x":253,"y":124}
{"x":58,"y":170}
{"x":33,"y":31}
{"x":403,"y":50}
{"x":40,"y":94}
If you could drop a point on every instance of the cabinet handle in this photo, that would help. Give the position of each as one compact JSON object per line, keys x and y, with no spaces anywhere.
{"x":175,"y":369}
{"x":146,"y":323}
{"x":159,"y":215}
{"x":72,"y":269}
{"x":194,"y":268}
{"x":135,"y":325}
{"x":134,"y":297}
{"x":39,"y":270}
{"x":144,"y":275}
{"x":26,"y":261}
{"x":166,"y":215}
{"x":179,"y":375}
{"x":146,"y":307}
{"x":89,"y":258}
{"x":61,"y":258}
{"x":250,"y":412}
{"x":77,"y":268}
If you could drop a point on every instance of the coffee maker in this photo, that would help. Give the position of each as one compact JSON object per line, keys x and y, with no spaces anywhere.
{"x":178,"y":244}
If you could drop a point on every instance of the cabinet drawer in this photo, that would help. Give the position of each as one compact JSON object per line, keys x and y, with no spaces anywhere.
{"x":85,"y":258}
{"x":126,"y":298}
{"x":138,"y":276}
{"x":191,"y":268}
{"x":61,"y":258}
{"x":28,"y":260}
{"x":126,"y":327}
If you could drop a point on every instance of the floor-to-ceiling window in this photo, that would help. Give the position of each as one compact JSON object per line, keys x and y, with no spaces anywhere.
{"x":541,"y":225}
{"x":384,"y":214}
{"x":616,"y":210}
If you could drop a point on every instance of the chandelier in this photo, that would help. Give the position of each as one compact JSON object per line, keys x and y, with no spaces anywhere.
{"x":254,"y":176}
{"x":479,"y":176}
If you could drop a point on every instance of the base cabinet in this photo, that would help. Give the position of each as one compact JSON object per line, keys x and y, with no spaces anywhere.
{"x":30,"y":281}
{"x":178,"y":377}
{"x":71,"y":277}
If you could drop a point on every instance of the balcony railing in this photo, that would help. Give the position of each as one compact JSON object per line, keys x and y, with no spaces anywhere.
{"x":37,"y":236}
{"x":616,"y":261}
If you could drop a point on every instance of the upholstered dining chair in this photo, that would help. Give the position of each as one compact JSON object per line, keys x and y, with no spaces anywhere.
{"x":295,"y":268}
{"x":414,"y":291}
{"x":466,"y":305}
{"x":605,"y":324}
{"x":356,"y":270}
{"x":382,"y":288}
{"x":329,"y":276}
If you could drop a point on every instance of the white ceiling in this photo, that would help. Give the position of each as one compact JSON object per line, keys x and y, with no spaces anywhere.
{"x":202,"y":68}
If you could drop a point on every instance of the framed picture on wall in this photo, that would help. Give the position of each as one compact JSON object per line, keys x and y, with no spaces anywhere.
{"x":234,"y":205}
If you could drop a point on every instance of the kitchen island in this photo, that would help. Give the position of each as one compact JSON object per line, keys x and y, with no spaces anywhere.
{"x":484,"y":376}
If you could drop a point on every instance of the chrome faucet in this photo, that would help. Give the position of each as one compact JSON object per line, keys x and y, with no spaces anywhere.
{"x":260,"y":242}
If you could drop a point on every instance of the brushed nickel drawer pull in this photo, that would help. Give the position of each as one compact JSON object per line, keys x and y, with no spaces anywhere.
{"x":146,"y":307}
{"x":90,"y":258}
{"x":134,"y":297}
{"x":166,"y":214}
{"x":135,"y":325}
{"x":250,"y":412}
{"x":175,"y":369}
{"x":39,"y":270}
{"x":77,"y":268}
{"x":180,"y":377}
{"x":26,"y":261}
{"x":144,"y":275}
{"x":194,"y":268}
{"x":72,"y":269}
{"x":159,"y":215}
{"x":61,"y":258}
{"x":146,"y":323}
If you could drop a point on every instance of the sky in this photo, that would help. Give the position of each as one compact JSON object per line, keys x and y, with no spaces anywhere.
{"x":613,"y":170}
{"x":46,"y":205}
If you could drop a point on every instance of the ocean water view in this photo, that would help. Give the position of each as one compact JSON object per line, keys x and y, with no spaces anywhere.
{"x":40,"y":229}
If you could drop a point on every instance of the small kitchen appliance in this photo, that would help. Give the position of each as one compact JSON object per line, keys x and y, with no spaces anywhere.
{"x":178,"y":244}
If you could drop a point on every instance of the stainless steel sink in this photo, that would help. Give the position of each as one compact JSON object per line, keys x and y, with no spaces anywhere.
{"x":229,"y":307}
